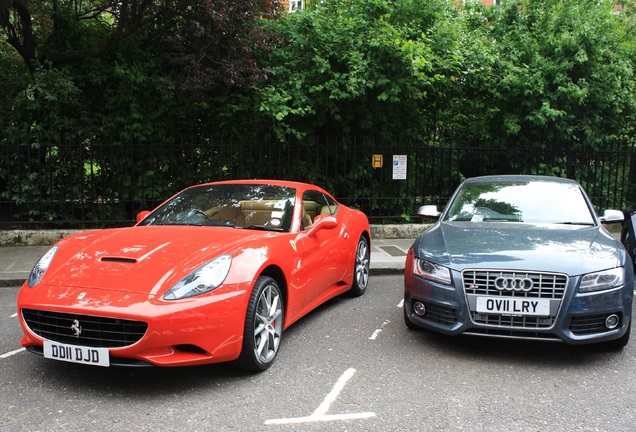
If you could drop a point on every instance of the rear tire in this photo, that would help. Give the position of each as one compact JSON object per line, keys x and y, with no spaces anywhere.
{"x":263,"y":331}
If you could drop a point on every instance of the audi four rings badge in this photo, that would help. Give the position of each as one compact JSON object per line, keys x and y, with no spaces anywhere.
{"x":513,"y":284}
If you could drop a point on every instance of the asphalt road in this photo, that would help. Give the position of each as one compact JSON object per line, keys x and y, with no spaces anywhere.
{"x":352,"y":365}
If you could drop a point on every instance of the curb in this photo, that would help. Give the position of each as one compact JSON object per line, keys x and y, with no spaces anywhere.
{"x":15,"y":240}
{"x":17,"y":282}
{"x":49,"y":237}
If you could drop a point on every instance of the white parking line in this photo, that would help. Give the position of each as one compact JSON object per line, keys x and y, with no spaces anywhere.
{"x":378,"y":331}
{"x":401,"y":303}
{"x":375,"y":334}
{"x":10,"y":353}
{"x":14,"y":315}
{"x":320,"y":415}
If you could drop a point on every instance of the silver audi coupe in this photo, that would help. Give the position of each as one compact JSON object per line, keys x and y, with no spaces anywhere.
{"x":520,"y":257}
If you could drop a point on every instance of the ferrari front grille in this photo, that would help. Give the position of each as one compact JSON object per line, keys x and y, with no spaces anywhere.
{"x":85,"y":330}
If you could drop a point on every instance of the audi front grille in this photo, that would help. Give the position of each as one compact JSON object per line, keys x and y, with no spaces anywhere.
{"x":508,"y":285}
{"x":440,"y":314}
{"x":589,"y":324}
{"x":85,"y":330}
{"x":545,"y":285}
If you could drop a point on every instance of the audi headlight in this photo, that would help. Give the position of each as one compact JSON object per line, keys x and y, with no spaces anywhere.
{"x":432,"y":271}
{"x":204,"y":279}
{"x":602,"y":280}
{"x":41,"y":266}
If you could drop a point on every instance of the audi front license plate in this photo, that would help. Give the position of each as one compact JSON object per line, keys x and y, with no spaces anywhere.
{"x":513,"y":306}
{"x":76,"y":354}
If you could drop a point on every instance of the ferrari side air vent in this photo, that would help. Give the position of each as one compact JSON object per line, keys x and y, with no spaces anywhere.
{"x":119,"y":260}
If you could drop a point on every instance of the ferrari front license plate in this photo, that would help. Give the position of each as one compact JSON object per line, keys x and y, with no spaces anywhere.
{"x":513,"y":306}
{"x":76,"y":354}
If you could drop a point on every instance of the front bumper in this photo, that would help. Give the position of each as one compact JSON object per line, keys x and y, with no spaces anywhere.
{"x":195,"y":331}
{"x":575,"y":318}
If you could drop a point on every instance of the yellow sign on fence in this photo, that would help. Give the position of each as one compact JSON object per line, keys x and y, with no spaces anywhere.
{"x":378,"y":160}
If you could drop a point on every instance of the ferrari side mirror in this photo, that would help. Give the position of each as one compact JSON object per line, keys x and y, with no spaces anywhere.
{"x":142,"y":215}
{"x":322,"y":222}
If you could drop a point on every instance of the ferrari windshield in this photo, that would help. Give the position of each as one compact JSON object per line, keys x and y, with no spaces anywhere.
{"x":255,"y":206}
{"x":521,"y":201}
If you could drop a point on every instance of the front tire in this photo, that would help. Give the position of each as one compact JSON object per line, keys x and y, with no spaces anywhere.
{"x":627,"y":241}
{"x":263,"y":330}
{"x":361,"y":268}
{"x":408,"y":322}
{"x":621,"y":342}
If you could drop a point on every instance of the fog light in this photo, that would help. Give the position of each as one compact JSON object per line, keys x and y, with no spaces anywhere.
{"x":420,"y":309}
{"x":612,"y":321}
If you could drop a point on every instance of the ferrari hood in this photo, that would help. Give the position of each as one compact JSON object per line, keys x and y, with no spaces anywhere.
{"x":569,"y":249}
{"x":139,"y":259}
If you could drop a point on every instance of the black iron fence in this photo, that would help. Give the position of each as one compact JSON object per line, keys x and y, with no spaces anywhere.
{"x":83,"y":185}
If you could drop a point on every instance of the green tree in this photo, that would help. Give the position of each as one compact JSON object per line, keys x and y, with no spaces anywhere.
{"x":13,"y":82}
{"x":548,"y":74}
{"x":362,"y":68}
{"x":105,"y":80}
{"x":135,"y":66}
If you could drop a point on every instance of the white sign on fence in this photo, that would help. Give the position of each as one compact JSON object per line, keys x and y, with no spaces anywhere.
{"x":399,"y":167}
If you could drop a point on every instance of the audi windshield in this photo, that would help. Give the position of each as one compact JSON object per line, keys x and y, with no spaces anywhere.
{"x":521,"y":201}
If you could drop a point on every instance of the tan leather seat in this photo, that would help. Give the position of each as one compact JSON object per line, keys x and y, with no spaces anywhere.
{"x":261,"y":213}
{"x":306,"y":220}
{"x":328,"y":210}
{"x":309,"y":213}
{"x":225,"y":213}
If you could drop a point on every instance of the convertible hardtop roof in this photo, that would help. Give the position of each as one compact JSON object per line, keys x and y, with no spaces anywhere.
{"x":514,"y":178}
{"x":286,"y":183}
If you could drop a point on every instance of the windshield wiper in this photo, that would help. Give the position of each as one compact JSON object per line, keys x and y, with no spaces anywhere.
{"x":260,"y":228}
{"x":177,"y":224}
{"x":206,"y":224}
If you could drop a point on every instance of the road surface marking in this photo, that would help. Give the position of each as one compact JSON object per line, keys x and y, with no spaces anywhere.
{"x":10,"y":353}
{"x":378,"y":331}
{"x":320,"y":415}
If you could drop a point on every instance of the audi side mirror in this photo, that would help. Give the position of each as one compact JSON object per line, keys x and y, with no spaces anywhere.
{"x":428,"y":211}
{"x":612,"y":216}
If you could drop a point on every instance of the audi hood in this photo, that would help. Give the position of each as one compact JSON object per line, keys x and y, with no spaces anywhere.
{"x":571,"y":249}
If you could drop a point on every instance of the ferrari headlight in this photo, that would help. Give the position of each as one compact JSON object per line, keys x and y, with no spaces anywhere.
{"x":602,"y":280}
{"x":204,"y":279}
{"x":432,"y":271}
{"x":41,"y":266}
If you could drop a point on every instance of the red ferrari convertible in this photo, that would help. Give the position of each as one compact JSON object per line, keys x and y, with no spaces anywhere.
{"x":214,"y":274}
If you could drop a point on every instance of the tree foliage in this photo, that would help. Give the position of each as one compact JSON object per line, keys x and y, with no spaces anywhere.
{"x":421,"y":74}
{"x":138,"y":66}
{"x":548,"y":73}
{"x":362,"y":68}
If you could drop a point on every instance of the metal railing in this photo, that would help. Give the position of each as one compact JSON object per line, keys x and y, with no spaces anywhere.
{"x":51,"y":184}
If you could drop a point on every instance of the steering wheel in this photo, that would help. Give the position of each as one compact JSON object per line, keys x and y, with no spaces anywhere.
{"x":201,"y":213}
